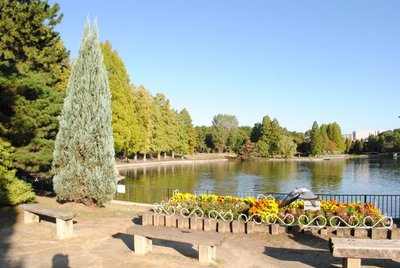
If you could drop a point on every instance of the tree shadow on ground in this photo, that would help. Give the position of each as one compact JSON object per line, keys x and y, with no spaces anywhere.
{"x":8,"y":220}
{"x":313,"y":258}
{"x":183,"y":248}
{"x":319,"y":255}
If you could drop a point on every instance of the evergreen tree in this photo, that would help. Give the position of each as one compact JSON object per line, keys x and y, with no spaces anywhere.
{"x":315,"y":139}
{"x":124,"y":120}
{"x":84,"y":149}
{"x":33,"y":68}
{"x":263,"y":144}
{"x":274,"y":137}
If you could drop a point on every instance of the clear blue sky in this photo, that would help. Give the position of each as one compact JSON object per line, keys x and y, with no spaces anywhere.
{"x":297,"y":61}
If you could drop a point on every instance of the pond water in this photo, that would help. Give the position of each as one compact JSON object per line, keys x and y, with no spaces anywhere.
{"x":336,"y":176}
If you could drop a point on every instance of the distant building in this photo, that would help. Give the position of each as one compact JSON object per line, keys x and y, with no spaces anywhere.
{"x":348,"y":136}
{"x":364,"y":134}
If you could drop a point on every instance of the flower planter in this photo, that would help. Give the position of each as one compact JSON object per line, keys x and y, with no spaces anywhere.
{"x":211,"y":225}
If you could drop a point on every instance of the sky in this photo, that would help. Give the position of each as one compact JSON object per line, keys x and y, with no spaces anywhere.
{"x":298,"y":61}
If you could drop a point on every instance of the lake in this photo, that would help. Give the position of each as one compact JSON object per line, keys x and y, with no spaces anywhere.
{"x":335,"y":176}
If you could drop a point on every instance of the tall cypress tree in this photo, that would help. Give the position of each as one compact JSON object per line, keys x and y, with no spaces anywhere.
{"x":84,"y":148}
{"x":315,"y":139}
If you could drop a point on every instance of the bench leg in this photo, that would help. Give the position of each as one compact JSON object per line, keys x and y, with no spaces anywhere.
{"x":64,"y":228}
{"x":351,"y":263}
{"x":207,"y":253}
{"x":30,"y":217}
{"x":142,"y":244}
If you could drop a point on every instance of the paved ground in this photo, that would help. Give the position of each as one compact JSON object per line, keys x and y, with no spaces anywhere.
{"x":100,"y":241}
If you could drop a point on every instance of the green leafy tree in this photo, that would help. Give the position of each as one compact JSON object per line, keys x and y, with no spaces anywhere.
{"x":144,"y":108}
{"x":335,"y":135}
{"x":287,"y":147}
{"x":185,"y":120}
{"x":124,"y":120}
{"x":325,"y":140}
{"x":358,"y":147}
{"x":33,"y":68}
{"x":204,"y":142}
{"x":223,"y":127}
{"x":274,"y":137}
{"x":13,"y":191}
{"x":256,"y":132}
{"x":271,"y":134}
{"x":348,"y":145}
{"x":236,"y":141}
{"x":165,"y":134}
{"x":315,"y":139}
{"x":84,"y":149}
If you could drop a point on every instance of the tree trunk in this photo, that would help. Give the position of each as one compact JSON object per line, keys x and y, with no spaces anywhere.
{"x":144,"y":157}
{"x":165,"y":155}
{"x":158,"y":156}
{"x":173,"y":154}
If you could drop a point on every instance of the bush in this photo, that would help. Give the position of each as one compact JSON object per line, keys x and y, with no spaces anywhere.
{"x":12,"y":190}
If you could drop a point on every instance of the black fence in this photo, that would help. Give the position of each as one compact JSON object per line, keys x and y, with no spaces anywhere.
{"x":389,"y":205}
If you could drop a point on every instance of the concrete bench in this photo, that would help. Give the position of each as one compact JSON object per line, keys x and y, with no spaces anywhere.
{"x":353,"y":250}
{"x":64,"y":219}
{"x":206,"y":242}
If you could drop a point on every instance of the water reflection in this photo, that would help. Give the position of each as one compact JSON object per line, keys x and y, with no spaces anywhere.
{"x":326,"y":176}
{"x":363,"y":176}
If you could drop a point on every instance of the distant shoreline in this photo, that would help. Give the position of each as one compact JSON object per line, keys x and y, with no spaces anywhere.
{"x":148,"y":163}
{"x":209,"y":158}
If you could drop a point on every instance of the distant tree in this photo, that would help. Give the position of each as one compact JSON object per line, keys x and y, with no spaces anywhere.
{"x":315,"y":139}
{"x":124,"y":120}
{"x":262,"y":148}
{"x":335,"y":134}
{"x":185,"y":121}
{"x":236,"y":140}
{"x":256,"y":132}
{"x":287,"y":147}
{"x":348,"y":145}
{"x":358,"y":147}
{"x":223,"y":127}
{"x":13,"y":191}
{"x":275,"y":136}
{"x":164,"y":133}
{"x":248,"y":150}
{"x":84,"y":149}
{"x":204,"y":142}
{"x":33,"y":64}
{"x":326,"y":146}
{"x":271,"y":134}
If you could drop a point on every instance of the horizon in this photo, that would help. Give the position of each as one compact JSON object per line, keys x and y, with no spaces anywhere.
{"x":298,"y":62}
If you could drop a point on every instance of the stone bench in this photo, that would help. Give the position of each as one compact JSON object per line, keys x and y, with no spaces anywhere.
{"x":64,"y":219}
{"x":353,"y":250}
{"x":207,"y":242}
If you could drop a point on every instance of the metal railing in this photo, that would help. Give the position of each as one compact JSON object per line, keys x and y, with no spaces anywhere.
{"x":389,"y":205}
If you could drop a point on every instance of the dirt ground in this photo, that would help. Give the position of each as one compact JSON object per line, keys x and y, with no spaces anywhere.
{"x":100,"y":240}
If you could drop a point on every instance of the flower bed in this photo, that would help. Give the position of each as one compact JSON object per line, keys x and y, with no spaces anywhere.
{"x":264,"y":210}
